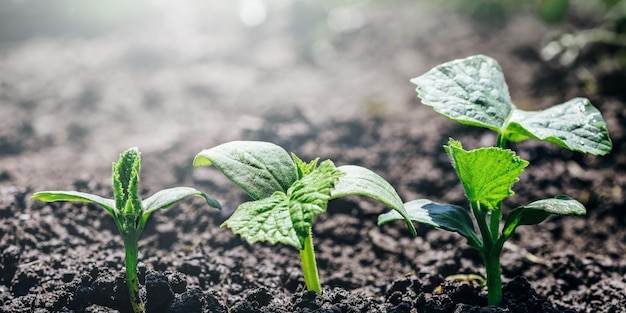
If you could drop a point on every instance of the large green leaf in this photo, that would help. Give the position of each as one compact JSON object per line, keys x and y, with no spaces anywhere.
{"x":363,"y":182}
{"x":487,"y":174}
{"x":165,"y":198}
{"x":287,"y":218}
{"x":473,"y":91}
{"x":259,"y":168}
{"x":470,"y":91}
{"x":537,"y":211}
{"x":444,"y":216}
{"x":76,"y":196}
{"x":575,"y":125}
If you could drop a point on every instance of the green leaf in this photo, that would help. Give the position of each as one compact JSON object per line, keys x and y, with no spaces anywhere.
{"x":575,"y":125}
{"x":470,"y":91}
{"x":363,"y":182}
{"x":304,"y":168}
{"x":536,"y":212}
{"x":473,"y":91}
{"x":259,"y":168}
{"x":286,"y":218}
{"x":309,"y":196}
{"x":126,"y":183}
{"x":267,"y":219}
{"x":76,"y":196}
{"x":165,"y":198}
{"x":487,"y":174}
{"x":444,"y":216}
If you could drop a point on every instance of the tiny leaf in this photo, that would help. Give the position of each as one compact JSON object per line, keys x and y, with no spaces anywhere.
{"x":363,"y":182}
{"x":487,"y":174}
{"x":126,"y":183}
{"x":167,"y":197}
{"x":470,"y":91}
{"x":303,"y":167}
{"x":537,"y":211}
{"x":286,"y":218}
{"x":445,"y":216}
{"x":575,"y":125}
{"x":259,"y":168}
{"x":76,"y":196}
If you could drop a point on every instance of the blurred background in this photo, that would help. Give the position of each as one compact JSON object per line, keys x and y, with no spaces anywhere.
{"x":82,"y":81}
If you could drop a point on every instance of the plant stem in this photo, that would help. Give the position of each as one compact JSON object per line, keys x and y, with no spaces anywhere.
{"x":132,"y":252}
{"x":494,"y":223}
{"x":309,"y":266}
{"x":494,"y":277}
{"x":501,"y":141}
{"x":491,"y":251}
{"x":481,"y":220}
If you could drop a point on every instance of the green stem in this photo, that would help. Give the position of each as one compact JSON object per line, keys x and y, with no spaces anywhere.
{"x":132,"y":252}
{"x":494,"y":277}
{"x":481,"y":220}
{"x":501,"y":141}
{"x":494,"y":223}
{"x":491,"y":251}
{"x":309,"y":266}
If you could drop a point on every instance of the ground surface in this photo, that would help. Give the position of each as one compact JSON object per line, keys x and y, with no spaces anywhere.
{"x":174,"y":81}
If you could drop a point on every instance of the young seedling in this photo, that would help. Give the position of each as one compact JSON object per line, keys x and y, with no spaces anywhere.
{"x":288,"y":193}
{"x":473,"y":91}
{"x":129,"y":211}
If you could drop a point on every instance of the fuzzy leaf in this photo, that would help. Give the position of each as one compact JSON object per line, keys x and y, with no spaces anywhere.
{"x":445,"y":216}
{"x":309,"y":196}
{"x":165,"y":198}
{"x":575,"y":125}
{"x":473,"y":91}
{"x":286,"y":218}
{"x":487,"y":174}
{"x":259,"y":168}
{"x":361,"y":181}
{"x":470,"y":91}
{"x":267,"y":219}
{"x":126,"y":183}
{"x":537,"y":211}
{"x":76,"y":196}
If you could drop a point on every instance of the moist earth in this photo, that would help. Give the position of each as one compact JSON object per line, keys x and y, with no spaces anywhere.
{"x":68,"y":257}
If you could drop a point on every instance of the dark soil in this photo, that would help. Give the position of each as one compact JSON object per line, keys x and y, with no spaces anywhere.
{"x":352,"y":105}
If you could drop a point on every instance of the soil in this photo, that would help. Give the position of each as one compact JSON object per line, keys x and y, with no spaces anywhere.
{"x":73,"y":100}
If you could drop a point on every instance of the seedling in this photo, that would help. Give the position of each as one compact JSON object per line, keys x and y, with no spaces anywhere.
{"x":129,"y":211}
{"x":288,"y":193}
{"x":473,"y":91}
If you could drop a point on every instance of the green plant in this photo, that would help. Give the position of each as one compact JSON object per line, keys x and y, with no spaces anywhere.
{"x":288,"y":193}
{"x":473,"y":91}
{"x":129,"y":211}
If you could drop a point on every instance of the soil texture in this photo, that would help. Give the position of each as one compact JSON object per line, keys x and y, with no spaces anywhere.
{"x":350,"y":103}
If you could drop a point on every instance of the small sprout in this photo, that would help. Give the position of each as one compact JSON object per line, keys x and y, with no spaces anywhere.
{"x":473,"y":91}
{"x":288,"y":193}
{"x":129,"y":211}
